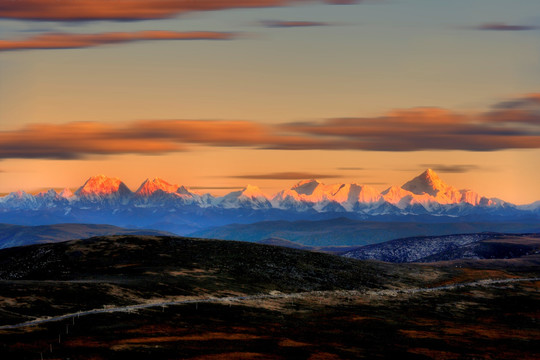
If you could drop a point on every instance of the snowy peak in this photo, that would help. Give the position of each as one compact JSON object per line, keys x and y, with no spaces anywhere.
{"x":66,"y":193}
{"x":352,"y":193}
{"x":306,"y":187}
{"x":182,"y":190}
{"x":253,"y":192}
{"x":428,"y":182}
{"x":395,"y":194}
{"x":425,"y":194}
{"x":148,"y":187}
{"x":248,"y":197}
{"x":51,"y":193}
{"x":250,"y":192}
{"x":101,"y":185}
{"x":19,"y":195}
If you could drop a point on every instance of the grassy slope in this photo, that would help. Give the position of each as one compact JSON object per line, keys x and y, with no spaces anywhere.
{"x":494,"y":322}
{"x":62,"y":277}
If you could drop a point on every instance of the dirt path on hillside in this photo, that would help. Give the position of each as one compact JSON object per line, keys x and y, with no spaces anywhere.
{"x":231,"y":299}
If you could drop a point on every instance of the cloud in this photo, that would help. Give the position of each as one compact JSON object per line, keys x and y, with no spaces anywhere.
{"x":74,"y":141}
{"x":500,"y":26}
{"x":513,"y":124}
{"x":79,"y":139}
{"x":350,"y":168}
{"x":286,"y":176}
{"x":289,"y":24}
{"x":524,"y":110}
{"x":84,"y":10}
{"x":444,"y":168}
{"x":525,"y":101}
{"x":73,"y":41}
{"x":414,"y":129}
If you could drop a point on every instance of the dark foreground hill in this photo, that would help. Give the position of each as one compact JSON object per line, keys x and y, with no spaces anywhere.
{"x":368,"y":309}
{"x":120,"y":270}
{"x":19,"y":235}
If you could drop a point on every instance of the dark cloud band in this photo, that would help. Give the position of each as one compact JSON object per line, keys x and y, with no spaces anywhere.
{"x":444,"y":168}
{"x":500,"y":26}
{"x":292,"y":24}
{"x":286,"y":176}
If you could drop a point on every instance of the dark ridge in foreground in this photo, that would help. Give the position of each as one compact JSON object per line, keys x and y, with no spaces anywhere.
{"x":151,"y":256}
{"x":123,"y":270}
{"x":43,"y":281}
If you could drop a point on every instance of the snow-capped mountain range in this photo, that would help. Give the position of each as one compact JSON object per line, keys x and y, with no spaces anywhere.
{"x":109,"y":200}
{"x":425,"y":193}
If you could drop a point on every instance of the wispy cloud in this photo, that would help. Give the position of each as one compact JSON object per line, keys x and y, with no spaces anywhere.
{"x":350,"y":168}
{"x":292,"y":24}
{"x":501,"y":26}
{"x":84,"y":10}
{"x":287,"y":176}
{"x":530,"y":100}
{"x":445,"y":168}
{"x":513,"y":124}
{"x":73,"y":41}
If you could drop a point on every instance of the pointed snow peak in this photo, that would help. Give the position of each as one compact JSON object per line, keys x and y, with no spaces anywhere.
{"x":66,"y":193}
{"x":306,"y":187}
{"x":102,"y":185}
{"x":47,"y":193}
{"x":392,"y":189}
{"x":183,"y":191}
{"x":20,"y":194}
{"x":252,"y":191}
{"x":428,"y":182}
{"x":306,"y":181}
{"x":148,"y":187}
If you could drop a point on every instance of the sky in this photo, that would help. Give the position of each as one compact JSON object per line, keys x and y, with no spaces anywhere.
{"x":216,"y":94}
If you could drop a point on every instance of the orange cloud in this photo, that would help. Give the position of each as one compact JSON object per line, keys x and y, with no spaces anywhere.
{"x":77,"y":10}
{"x":79,"y":139}
{"x":513,"y":124}
{"x":75,"y":140}
{"x":72,"y":41}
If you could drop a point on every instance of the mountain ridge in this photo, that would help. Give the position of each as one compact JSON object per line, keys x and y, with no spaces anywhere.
{"x":166,"y":206}
{"x":427,"y":188}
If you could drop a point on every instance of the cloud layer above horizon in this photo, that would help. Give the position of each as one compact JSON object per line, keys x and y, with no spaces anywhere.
{"x":512,"y":124}
{"x":85,"y":10}
{"x":73,"y":41}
